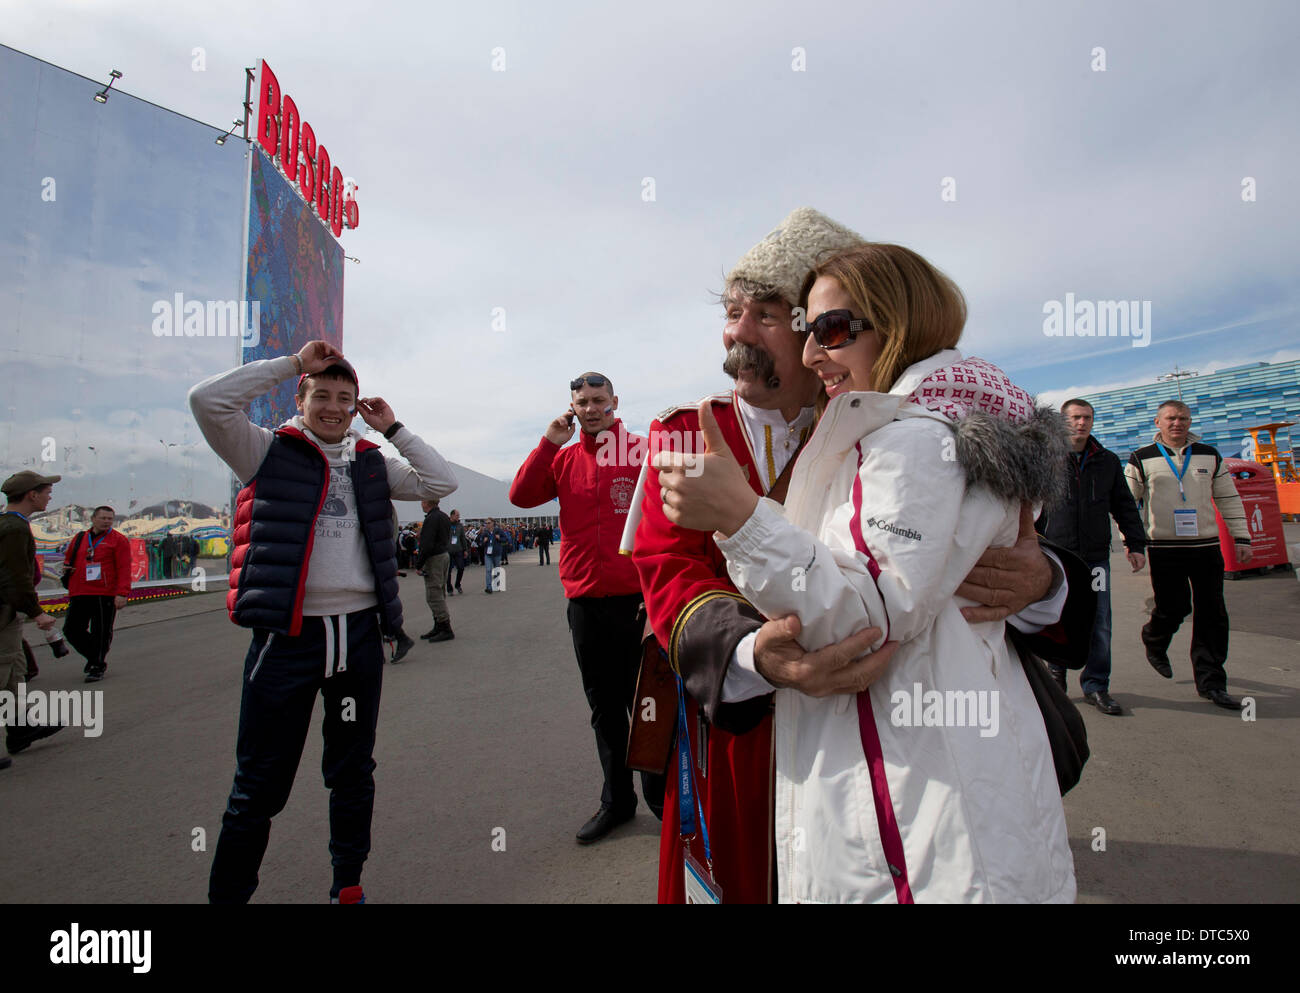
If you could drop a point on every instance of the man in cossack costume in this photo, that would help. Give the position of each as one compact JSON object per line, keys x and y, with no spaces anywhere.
{"x":729,"y":657}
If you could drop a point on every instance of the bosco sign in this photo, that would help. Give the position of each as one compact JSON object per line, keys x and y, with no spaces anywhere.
{"x":292,"y":143}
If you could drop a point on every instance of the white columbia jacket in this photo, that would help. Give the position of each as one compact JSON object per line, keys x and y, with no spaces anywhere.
{"x":937,"y":784}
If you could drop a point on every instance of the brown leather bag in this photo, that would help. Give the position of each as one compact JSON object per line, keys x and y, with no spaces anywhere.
{"x":654,"y":708}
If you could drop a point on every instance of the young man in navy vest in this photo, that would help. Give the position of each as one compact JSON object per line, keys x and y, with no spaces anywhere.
{"x":314,"y":574}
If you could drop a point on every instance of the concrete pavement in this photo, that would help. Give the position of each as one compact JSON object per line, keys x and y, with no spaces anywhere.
{"x":487,"y":737}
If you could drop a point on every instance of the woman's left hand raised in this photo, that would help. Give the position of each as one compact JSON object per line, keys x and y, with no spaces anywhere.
{"x":705,"y":491}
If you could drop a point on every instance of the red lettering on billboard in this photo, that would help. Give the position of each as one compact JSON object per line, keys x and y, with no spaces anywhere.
{"x":307,"y":167}
{"x":268,"y":110}
{"x":291,"y":142}
{"x":289,"y":137}
{"x":336,"y":202}
{"x":322,"y":183}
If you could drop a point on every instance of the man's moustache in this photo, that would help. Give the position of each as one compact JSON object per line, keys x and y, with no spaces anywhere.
{"x":741,"y":356}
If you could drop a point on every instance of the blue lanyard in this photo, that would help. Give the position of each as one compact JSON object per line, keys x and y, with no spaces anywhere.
{"x":688,"y":801}
{"x":17,"y":514}
{"x":90,"y":555}
{"x":1187,"y":458}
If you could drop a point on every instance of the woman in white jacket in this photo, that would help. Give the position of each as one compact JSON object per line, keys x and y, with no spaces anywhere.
{"x":937,"y":783}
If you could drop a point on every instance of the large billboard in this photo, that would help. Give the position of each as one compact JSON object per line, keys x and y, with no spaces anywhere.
{"x":295,"y":279}
{"x":121,"y":268}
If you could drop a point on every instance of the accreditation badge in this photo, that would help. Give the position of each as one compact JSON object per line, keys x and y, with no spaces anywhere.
{"x":1185,"y":524}
{"x":701,"y":887}
{"x":92,"y":571}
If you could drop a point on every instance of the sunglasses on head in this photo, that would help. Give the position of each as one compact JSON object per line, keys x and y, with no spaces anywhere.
{"x":595,"y":382}
{"x":837,"y":328}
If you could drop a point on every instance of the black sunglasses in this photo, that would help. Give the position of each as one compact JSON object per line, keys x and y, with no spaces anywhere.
{"x":837,"y":328}
{"x":595,"y":382}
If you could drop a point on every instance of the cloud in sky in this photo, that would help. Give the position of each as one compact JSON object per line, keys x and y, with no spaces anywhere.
{"x":522,"y":189}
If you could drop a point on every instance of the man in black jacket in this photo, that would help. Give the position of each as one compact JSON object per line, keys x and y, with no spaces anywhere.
{"x":456,"y":548}
{"x":1082,"y":524}
{"x":433,"y":560}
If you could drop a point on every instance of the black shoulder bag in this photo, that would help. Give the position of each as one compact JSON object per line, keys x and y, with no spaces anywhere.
{"x":66,"y":578}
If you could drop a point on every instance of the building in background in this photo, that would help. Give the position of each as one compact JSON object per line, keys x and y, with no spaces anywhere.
{"x":1224,"y":404}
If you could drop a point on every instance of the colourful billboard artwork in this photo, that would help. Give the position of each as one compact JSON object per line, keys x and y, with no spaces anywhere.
{"x":295,"y":271}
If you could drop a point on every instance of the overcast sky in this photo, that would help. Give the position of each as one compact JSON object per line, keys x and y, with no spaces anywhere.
{"x":523,"y":189}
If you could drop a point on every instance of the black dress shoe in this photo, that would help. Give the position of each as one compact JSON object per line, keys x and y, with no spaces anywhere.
{"x":1160,"y":662}
{"x":603,"y":822}
{"x":1104,"y":702}
{"x":20,"y":738}
{"x":1219,"y":698}
{"x":6,"y":762}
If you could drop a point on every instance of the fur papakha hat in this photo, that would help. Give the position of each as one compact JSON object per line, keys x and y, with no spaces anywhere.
{"x":784,"y":258}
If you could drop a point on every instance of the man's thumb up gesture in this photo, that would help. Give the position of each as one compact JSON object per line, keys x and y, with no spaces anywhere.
{"x":705,"y":491}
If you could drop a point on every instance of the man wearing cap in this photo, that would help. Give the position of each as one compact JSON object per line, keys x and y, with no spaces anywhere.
{"x":100,"y":564}
{"x":729,"y":657}
{"x":28,"y":493}
{"x":594,"y":481}
{"x":314,"y":573}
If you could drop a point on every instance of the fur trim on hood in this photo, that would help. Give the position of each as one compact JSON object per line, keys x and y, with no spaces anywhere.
{"x":1025,"y":460}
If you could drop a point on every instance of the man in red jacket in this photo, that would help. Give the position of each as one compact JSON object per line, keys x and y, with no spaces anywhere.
{"x":100,"y":560}
{"x":594,"y":481}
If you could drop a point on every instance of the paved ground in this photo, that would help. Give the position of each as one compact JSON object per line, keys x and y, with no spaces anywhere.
{"x":490,"y":731}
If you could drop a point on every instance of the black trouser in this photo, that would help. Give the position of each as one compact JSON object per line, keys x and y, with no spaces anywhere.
{"x":458,"y":564}
{"x":89,"y":629}
{"x":274,"y":716}
{"x":1173,"y":572}
{"x":607,"y":641}
{"x":543,"y":549}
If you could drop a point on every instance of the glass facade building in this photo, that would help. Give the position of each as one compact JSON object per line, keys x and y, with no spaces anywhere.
{"x":1224,"y":404}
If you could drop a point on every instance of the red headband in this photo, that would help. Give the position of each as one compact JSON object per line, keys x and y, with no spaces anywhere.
{"x":343,"y":364}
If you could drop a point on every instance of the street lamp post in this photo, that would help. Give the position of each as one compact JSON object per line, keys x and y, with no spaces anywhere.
{"x":1178,"y":375}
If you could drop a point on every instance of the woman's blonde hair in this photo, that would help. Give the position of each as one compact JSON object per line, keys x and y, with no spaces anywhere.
{"x":915,"y":308}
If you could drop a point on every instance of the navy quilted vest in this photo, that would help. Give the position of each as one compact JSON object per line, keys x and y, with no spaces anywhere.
{"x":274,"y":526}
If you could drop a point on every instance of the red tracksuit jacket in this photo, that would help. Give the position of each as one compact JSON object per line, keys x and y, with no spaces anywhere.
{"x":594,"y":481}
{"x":113,"y":554}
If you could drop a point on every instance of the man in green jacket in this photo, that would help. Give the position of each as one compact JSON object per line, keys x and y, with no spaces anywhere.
{"x":28,"y":493}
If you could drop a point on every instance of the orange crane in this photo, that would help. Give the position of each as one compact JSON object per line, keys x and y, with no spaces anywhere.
{"x":1281,"y":462}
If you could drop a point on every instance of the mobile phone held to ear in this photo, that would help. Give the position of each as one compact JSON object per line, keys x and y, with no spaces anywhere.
{"x":568,"y":418}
